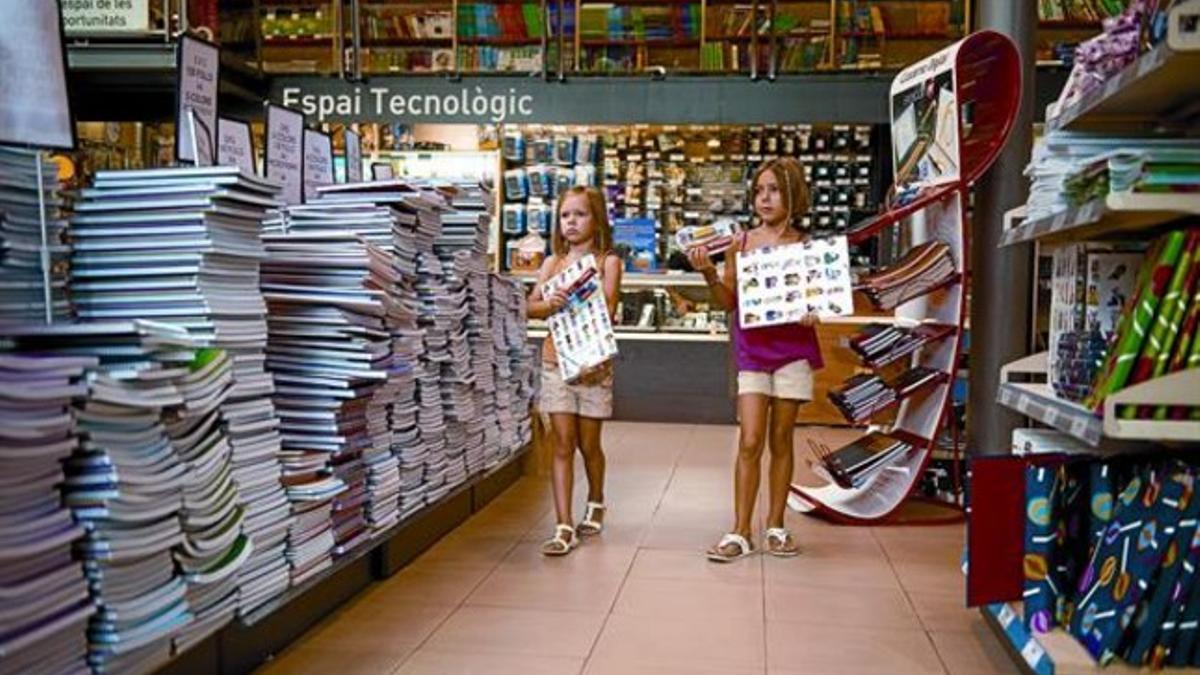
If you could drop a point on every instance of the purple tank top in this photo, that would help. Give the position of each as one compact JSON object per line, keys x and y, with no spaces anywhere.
{"x":767,"y":349}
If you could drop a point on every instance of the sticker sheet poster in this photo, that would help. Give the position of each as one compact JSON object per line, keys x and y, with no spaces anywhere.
{"x":925,"y":122}
{"x":582,"y":331}
{"x":780,"y":284}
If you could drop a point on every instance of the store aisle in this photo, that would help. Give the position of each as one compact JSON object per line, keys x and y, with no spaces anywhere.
{"x":642,"y":598}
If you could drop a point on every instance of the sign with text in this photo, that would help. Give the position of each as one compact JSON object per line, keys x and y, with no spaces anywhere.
{"x":235,"y":145}
{"x":925,"y":126}
{"x":199,"y":72}
{"x":283,"y":156}
{"x":100,"y":17}
{"x":34,"y":107}
{"x":354,"y":173}
{"x":382,"y":171}
{"x":318,"y":162}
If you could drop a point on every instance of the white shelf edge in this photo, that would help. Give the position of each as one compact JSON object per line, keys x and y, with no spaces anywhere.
{"x":1139,"y":211}
{"x":1180,"y":388}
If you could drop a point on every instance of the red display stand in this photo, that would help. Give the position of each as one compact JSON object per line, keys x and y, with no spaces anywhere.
{"x":951,"y":115}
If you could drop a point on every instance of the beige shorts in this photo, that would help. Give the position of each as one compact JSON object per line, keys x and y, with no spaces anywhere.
{"x":585,"y":400}
{"x":793,"y":381}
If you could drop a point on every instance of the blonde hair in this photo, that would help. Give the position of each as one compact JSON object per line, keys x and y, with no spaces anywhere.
{"x":597,"y":209}
{"x":789,"y":173}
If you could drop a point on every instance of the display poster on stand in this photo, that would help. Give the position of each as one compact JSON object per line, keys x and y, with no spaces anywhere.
{"x":925,"y":125}
{"x":198,"y":72}
{"x":283,"y":157}
{"x":35,"y":109}
{"x":235,"y":145}
{"x":318,"y":162}
{"x":781,"y":284}
{"x":354,"y":166}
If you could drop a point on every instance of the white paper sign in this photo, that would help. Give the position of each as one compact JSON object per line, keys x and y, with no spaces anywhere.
{"x":780,"y":284}
{"x":354,"y":172}
{"x":199,"y":71}
{"x":34,"y":108}
{"x":100,"y":17}
{"x":382,"y":171}
{"x":925,"y":125}
{"x":582,"y":331}
{"x":284,"y":154}
{"x":235,"y":146}
{"x":318,"y":162}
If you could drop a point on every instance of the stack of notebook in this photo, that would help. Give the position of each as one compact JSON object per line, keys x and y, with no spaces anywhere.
{"x":880,"y":344}
{"x":214,"y":546}
{"x":853,"y":465}
{"x":331,"y":350}
{"x":862,"y":396}
{"x":39,"y":579}
{"x":22,"y":287}
{"x":182,"y":246}
{"x":914,"y":379}
{"x":126,"y":483}
{"x":924,"y":268}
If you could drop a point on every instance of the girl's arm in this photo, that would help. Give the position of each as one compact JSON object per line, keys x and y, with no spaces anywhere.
{"x":613,"y":269}
{"x":721,"y":283}
{"x":540,"y":307}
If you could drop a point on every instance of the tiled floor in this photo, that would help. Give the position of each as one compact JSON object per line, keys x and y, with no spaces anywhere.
{"x":642,"y":599}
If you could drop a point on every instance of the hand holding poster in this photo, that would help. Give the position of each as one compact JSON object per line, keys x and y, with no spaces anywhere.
{"x":582,"y":331}
{"x":283,"y":156}
{"x":780,"y":284}
{"x":318,"y":162}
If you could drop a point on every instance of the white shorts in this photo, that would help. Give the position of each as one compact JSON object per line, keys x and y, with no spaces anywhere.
{"x":586,"y":400}
{"x":793,"y":381}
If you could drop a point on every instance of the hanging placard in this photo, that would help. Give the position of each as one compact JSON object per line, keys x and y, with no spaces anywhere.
{"x":198,"y":71}
{"x":235,"y":145}
{"x":354,"y":173}
{"x":34,"y":107}
{"x":318,"y":162}
{"x":283,"y":157}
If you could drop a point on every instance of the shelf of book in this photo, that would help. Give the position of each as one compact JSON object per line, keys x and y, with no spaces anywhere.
{"x":1117,"y":212}
{"x":677,"y":43}
{"x":1146,"y":93}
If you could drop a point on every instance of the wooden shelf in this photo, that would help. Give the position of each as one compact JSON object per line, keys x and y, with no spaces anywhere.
{"x":1118,"y":212}
{"x":501,"y":41}
{"x":1150,"y":92}
{"x":929,"y":35}
{"x":641,"y":42}
{"x":299,"y":41}
{"x":407,"y":42}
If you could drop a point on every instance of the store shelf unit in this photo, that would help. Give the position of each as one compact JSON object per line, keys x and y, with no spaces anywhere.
{"x":1115,"y":213}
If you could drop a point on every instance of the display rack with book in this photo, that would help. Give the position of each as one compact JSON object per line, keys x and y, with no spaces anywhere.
{"x":635,"y":36}
{"x":1118,"y":390}
{"x":890,"y":34}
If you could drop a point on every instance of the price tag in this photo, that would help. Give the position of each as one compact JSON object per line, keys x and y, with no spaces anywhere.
{"x":1050,"y":417}
{"x":1032,"y":652}
{"x":1006,"y":616}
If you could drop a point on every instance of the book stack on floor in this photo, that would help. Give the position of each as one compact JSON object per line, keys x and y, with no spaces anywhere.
{"x":126,"y":483}
{"x":923,"y":269}
{"x":22,"y":293}
{"x":513,"y":368}
{"x":39,"y":578}
{"x":182,"y":246}
{"x":331,"y":345}
{"x":851,"y":466}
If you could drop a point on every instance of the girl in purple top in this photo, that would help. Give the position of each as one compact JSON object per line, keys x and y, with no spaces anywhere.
{"x":775,"y":364}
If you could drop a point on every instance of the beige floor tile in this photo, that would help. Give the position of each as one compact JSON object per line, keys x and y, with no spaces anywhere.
{"x":849,"y":570}
{"x":928,"y":576}
{"x":371,"y":623}
{"x":483,"y":550}
{"x":671,"y":599}
{"x":693,"y":566}
{"x":429,"y":583}
{"x":813,"y":648}
{"x":973,"y":652}
{"x":632,"y":666}
{"x":944,"y":612}
{"x":542,"y":590}
{"x":518,"y":631}
{"x":700,"y":641}
{"x":850,"y":607}
{"x":596,"y":555}
{"x":432,"y":662}
{"x":304,"y":660}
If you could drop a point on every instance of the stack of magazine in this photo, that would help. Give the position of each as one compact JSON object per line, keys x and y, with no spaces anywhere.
{"x":126,"y":483}
{"x":40,"y":582}
{"x":853,"y":465}
{"x":862,"y":396}
{"x":514,"y":370}
{"x":182,"y":246}
{"x":881,"y":344}
{"x":22,"y":285}
{"x":925,"y":268}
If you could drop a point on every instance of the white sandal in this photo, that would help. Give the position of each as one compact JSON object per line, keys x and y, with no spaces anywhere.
{"x":589,"y":526}
{"x":782,"y":537}
{"x":718,"y":553}
{"x":563,"y":542}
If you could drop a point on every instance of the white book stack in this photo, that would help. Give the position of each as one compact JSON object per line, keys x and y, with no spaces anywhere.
{"x":183,"y":246}
{"x":331,"y":351}
{"x":22,"y":287}
{"x":126,"y":483}
{"x":215,"y":546}
{"x":519,"y":371}
{"x":46,"y":603}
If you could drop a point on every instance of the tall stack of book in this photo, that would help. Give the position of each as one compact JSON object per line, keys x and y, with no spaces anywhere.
{"x":182,"y":246}
{"x":513,"y":368}
{"x":37,"y":572}
{"x":22,"y":294}
{"x":126,"y":483}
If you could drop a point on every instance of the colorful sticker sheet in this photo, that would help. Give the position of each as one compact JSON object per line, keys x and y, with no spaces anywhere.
{"x":582,"y":331}
{"x":780,"y":284}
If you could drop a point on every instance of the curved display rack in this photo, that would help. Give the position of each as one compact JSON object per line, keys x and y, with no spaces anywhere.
{"x":977,"y":80}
